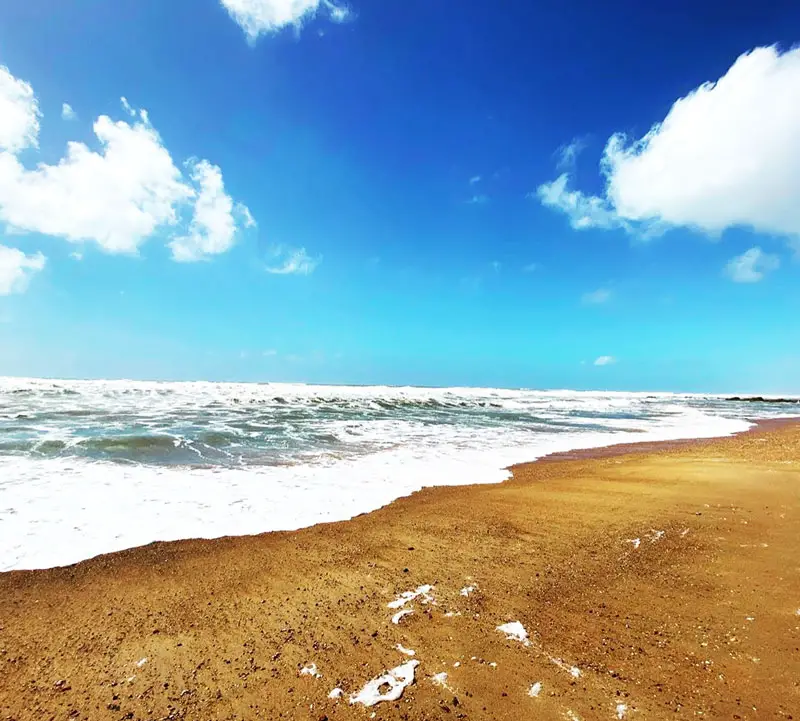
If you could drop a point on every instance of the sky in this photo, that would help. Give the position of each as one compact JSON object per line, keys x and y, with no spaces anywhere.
{"x":549,"y":194}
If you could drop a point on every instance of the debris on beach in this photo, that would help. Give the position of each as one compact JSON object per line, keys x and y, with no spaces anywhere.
{"x":467,"y":590}
{"x":515,"y":631}
{"x":622,"y":709}
{"x":310,"y":670}
{"x":535,"y":690}
{"x":655,"y":535}
{"x":399,"y":615}
{"x":635,"y":541}
{"x":397,"y":680}
{"x":573,"y":671}
{"x":406,"y":651}
{"x":408,"y":596}
{"x":440,"y":679}
{"x":336,"y":693}
{"x":141,"y":662}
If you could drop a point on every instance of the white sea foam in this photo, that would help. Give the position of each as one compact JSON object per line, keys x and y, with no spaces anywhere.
{"x":514,"y":631}
{"x":423,"y":592}
{"x":394,"y":681}
{"x":335,"y":452}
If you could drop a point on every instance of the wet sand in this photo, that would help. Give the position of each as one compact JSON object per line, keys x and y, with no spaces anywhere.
{"x":654,"y":582}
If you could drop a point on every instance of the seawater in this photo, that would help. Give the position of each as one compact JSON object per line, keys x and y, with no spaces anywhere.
{"x":89,"y":467}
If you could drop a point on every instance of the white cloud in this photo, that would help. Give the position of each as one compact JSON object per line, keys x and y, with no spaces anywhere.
{"x":259,"y":17}
{"x":19,"y":113}
{"x":751,"y":266}
{"x":727,"y":154}
{"x":288,"y":261}
{"x":584,"y":211}
{"x":596,"y":297}
{"x":475,"y":179}
{"x":118,"y":196}
{"x":214,"y":225}
{"x":478,"y":200}
{"x":16,"y":269}
{"x":605,"y":360}
{"x":67,"y":113}
{"x":496,"y":266}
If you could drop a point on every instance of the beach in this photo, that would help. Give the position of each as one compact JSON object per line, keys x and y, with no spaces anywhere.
{"x":653,"y":582}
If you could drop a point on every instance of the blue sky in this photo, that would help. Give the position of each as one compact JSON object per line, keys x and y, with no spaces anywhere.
{"x":402,"y":192}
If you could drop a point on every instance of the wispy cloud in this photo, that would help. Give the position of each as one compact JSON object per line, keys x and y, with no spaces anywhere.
{"x":605,"y":360}
{"x":292,"y":261}
{"x":530,"y":268}
{"x":475,"y":179}
{"x":496,"y":266}
{"x":596,"y":297}
{"x":568,"y":154}
{"x":271,"y":353}
{"x":478,"y":199}
{"x":751,"y":266}
{"x":67,"y":113}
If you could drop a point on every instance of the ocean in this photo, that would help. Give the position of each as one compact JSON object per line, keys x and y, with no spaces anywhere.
{"x":90,"y":467}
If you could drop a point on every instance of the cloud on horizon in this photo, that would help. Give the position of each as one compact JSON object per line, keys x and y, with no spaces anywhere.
{"x":726,"y":155}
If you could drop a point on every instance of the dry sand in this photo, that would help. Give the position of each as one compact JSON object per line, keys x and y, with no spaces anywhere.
{"x":700,"y":618}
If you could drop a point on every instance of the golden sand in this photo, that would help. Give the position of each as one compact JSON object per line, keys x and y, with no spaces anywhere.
{"x":664,"y":583}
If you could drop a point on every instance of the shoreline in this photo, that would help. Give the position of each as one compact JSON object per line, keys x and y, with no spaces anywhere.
{"x":88,"y":534}
{"x":661,"y":577}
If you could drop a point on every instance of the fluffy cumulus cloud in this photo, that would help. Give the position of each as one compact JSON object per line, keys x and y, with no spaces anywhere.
{"x":751,"y":266}
{"x":727,"y":154}
{"x":259,"y":17}
{"x":117,"y":196}
{"x":19,"y":113}
{"x":292,"y":261}
{"x":216,"y":217}
{"x":16,"y":269}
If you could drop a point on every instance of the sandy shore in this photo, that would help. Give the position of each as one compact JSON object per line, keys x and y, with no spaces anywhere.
{"x":661,"y":583}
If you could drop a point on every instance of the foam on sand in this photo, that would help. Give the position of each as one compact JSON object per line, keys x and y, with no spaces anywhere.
{"x":515,"y":631}
{"x":310,"y":670}
{"x":404,"y":650}
{"x":409,"y":596}
{"x":535,"y":690}
{"x":400,"y":615}
{"x":467,"y":590}
{"x":336,"y":693}
{"x":397,"y":680}
{"x":622,"y":709}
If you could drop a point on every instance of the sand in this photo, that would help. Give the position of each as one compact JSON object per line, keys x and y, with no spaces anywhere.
{"x":660,"y":583}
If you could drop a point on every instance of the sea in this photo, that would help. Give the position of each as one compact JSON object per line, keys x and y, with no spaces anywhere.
{"x":91,"y":467}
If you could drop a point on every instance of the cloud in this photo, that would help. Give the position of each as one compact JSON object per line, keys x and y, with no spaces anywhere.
{"x":478,"y":200}
{"x":67,"y":113}
{"x":118,"y":196}
{"x":584,"y":211}
{"x":16,"y":269}
{"x":475,"y":179}
{"x":727,"y":154}
{"x":214,"y":225}
{"x":19,"y":113}
{"x":288,"y":261}
{"x":271,"y":353}
{"x":568,"y":154}
{"x":596,"y":297}
{"x":260,"y":17}
{"x":751,"y":266}
{"x":496,"y":266}
{"x":530,"y":268}
{"x":605,"y":360}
